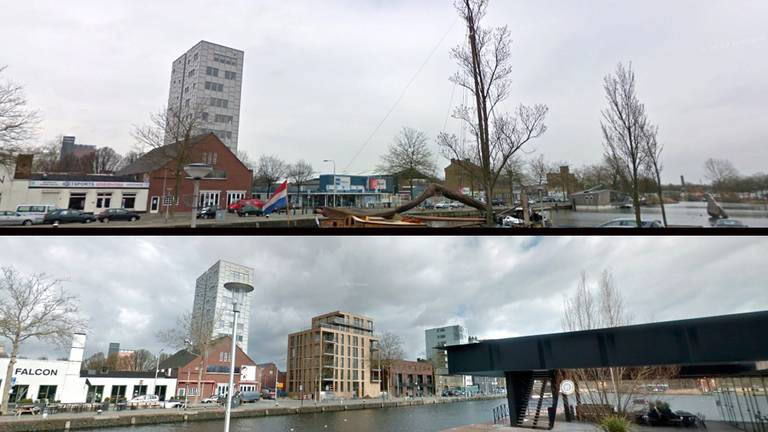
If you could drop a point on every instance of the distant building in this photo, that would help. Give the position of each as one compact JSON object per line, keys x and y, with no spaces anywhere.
{"x":409,"y":378}
{"x":114,"y":348}
{"x":337,"y":354}
{"x":563,"y":182}
{"x":213,"y":302}
{"x":598,"y":198}
{"x":267,"y":373}
{"x":210,"y":77}
{"x":465,"y":177}
{"x":71,"y":150}
{"x":436,"y":339}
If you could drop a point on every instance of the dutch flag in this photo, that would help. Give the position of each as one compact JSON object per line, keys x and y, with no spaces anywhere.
{"x":278,"y":200}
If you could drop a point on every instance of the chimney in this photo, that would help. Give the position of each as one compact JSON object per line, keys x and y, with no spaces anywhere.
{"x":78,"y":347}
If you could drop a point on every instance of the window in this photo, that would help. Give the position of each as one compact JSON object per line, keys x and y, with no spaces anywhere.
{"x":223,"y":356}
{"x":95,"y":394}
{"x":103,"y":199}
{"x":129,"y":200}
{"x":139,"y":390}
{"x":47,"y":392}
{"x":220,"y":118}
{"x":222,"y":103}
{"x":196,"y":56}
{"x":192,"y":72}
{"x":117,"y":392}
{"x":186,"y":89}
{"x":18,"y":392}
{"x":214,"y":86}
{"x":230,"y":75}
{"x":186,"y":103}
{"x":211,"y":71}
{"x":204,"y":116}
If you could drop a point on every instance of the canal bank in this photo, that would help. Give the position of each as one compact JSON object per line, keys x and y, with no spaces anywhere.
{"x":109,"y":420}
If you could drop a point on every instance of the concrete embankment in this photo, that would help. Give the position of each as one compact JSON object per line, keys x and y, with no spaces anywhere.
{"x":65,"y":422}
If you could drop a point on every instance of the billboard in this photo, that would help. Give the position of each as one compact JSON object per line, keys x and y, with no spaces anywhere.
{"x":377,"y":183}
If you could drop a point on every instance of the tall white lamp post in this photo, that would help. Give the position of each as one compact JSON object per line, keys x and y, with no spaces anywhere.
{"x":197,"y":171}
{"x":334,"y":179}
{"x":157,"y":369}
{"x":238,"y":290}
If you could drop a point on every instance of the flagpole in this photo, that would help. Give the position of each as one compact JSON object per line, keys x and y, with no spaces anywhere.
{"x":288,"y":214}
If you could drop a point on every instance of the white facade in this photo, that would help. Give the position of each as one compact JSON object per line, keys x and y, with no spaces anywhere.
{"x":210,"y":77}
{"x":95,"y":195}
{"x":62,"y":380}
{"x":213,"y":303}
{"x":440,"y":337}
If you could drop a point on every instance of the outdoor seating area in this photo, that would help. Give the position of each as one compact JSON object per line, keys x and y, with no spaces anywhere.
{"x":659,"y":413}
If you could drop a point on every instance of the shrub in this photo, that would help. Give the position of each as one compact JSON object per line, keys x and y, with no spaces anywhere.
{"x":615,"y":423}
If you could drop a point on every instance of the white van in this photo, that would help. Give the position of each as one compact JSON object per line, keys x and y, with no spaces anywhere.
{"x":36,"y":212}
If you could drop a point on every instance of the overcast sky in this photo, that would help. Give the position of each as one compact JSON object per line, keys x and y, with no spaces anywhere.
{"x":320,"y":76}
{"x":497,"y":287}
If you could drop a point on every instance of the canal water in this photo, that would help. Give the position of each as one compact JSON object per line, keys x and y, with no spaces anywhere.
{"x":683,"y":213}
{"x":424,"y":418}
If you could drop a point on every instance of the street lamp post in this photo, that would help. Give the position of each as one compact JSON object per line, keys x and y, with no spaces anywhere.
{"x":238,"y":290}
{"x":334,"y":179}
{"x":197,"y":171}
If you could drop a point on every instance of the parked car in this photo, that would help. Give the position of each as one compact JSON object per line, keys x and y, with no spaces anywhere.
{"x":232,"y":208}
{"x":498,"y":202}
{"x":118,"y":214}
{"x":214,"y":398}
{"x":208,"y":212}
{"x":630,"y":223}
{"x":15,"y":218}
{"x":68,"y":216}
{"x":144,"y":400}
{"x":249,"y":396}
{"x":249,"y":210}
{"x":35,"y":211}
{"x":267,"y":394}
{"x":427,"y":205}
{"x":174,"y":402}
{"x":729,"y":223}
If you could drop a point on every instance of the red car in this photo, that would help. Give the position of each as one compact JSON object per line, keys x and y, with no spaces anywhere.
{"x":232,"y":208}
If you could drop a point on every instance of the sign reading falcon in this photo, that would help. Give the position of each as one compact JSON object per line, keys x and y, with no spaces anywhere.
{"x":278,"y":200}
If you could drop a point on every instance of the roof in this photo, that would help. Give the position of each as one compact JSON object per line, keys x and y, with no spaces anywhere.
{"x":91,"y":373}
{"x":179,"y":359}
{"x":80,"y":177}
{"x":158,"y":157}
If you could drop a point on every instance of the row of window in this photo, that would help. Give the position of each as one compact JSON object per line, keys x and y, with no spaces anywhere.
{"x":218,"y":118}
{"x":219,"y":133}
{"x":216,"y":102}
{"x":220,"y":58}
{"x":214,"y":86}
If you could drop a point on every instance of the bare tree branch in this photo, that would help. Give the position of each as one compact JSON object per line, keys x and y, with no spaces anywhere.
{"x":18,"y":124}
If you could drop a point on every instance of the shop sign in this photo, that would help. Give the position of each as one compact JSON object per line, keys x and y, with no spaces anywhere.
{"x":87,"y":184}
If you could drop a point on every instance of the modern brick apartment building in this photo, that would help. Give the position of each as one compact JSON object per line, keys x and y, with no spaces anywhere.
{"x":229,"y":182}
{"x":338,"y":354}
{"x":409,"y":378}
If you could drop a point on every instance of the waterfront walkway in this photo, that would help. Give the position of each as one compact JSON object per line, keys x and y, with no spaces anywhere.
{"x":202,"y":412}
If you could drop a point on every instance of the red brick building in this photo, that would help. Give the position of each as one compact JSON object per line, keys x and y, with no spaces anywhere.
{"x":409,"y":378}
{"x":185,"y":366}
{"x":229,"y":182}
{"x":268,"y":373}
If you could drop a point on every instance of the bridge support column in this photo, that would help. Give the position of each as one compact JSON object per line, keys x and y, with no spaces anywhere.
{"x":555,"y":386}
{"x":518,"y":392}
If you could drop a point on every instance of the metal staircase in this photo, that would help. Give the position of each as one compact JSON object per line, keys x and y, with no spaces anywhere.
{"x":530,"y":414}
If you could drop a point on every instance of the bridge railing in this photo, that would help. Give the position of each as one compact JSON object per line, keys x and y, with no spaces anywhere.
{"x":500,"y":413}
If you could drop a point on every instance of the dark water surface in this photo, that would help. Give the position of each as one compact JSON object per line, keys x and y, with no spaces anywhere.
{"x":425,"y":418}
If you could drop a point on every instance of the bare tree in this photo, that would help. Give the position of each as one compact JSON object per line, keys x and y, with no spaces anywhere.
{"x":105,"y":161}
{"x":719,"y":172}
{"x":194,"y":334}
{"x":96,"y":361}
{"x":129,"y":158}
{"x":48,"y":156}
{"x":625,"y":128}
{"x":485,"y":71}
{"x":299,"y":174}
{"x":17,"y":122}
{"x":171,"y":132}
{"x":516,"y":176}
{"x":604,"y":307}
{"x":538,"y":169}
{"x":390,"y":349}
{"x":654,"y":166}
{"x":270,"y":169}
{"x":409,"y":156}
{"x":34,"y":307}
{"x":244,"y":158}
{"x":143,"y":361}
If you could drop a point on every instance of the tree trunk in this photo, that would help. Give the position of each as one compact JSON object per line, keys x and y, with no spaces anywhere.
{"x":410,"y":185}
{"x":8,"y":377}
{"x":636,"y":196}
{"x":661,"y":199}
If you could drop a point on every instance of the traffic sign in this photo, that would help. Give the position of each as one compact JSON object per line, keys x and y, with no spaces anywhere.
{"x":567,"y":387}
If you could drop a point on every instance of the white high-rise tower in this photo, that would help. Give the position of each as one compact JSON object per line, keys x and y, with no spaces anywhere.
{"x":208,"y":79}
{"x":212,"y":300}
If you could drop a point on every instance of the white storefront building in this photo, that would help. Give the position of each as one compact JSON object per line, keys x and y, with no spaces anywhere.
{"x":87,"y":192}
{"x":65,"y":382}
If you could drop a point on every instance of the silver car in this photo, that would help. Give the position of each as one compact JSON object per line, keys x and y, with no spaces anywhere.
{"x":631,"y":223}
{"x":15,"y":218}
